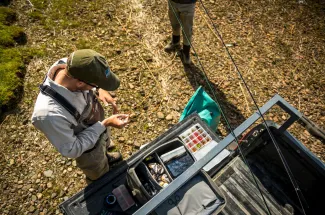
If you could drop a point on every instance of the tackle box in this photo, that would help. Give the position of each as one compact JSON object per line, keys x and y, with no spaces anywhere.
{"x":135,"y":174}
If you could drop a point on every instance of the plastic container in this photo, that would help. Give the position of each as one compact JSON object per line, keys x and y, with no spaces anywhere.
{"x":199,"y":142}
{"x":123,"y":197}
{"x":195,"y":138}
{"x":178,"y":165}
{"x":172,"y":154}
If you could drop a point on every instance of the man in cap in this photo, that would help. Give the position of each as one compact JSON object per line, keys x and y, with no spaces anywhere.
{"x":181,"y":12}
{"x":68,"y":112}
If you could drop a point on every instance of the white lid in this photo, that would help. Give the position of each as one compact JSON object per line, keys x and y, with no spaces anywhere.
{"x":172,"y":154}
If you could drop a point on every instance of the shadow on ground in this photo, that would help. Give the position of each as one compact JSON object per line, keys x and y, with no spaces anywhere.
{"x":196,"y":78}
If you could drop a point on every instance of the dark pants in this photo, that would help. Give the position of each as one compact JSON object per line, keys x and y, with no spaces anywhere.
{"x":94,"y":163}
{"x":185,"y":13}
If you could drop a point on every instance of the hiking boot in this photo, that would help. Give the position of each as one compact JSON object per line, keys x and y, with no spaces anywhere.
{"x":174,"y":45}
{"x":113,"y":157}
{"x":185,"y":54}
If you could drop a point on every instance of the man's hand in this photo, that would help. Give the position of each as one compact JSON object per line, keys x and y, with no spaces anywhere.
{"x":107,"y":99}
{"x":116,"y":121}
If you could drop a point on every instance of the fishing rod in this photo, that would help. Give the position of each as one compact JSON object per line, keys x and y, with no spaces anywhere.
{"x":283,"y":160}
{"x":221,"y":109}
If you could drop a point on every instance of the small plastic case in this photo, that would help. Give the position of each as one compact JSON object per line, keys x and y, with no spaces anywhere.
{"x":123,"y":197}
{"x":177,"y":161}
{"x":195,"y":138}
{"x":178,"y":165}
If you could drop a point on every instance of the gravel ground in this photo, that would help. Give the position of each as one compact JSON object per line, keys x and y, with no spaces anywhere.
{"x":278,"y":46}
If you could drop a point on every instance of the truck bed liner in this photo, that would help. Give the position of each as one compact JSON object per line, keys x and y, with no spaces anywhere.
{"x":242,"y":195}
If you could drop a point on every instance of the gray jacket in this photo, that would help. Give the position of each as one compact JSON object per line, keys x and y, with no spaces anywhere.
{"x":69,"y":137}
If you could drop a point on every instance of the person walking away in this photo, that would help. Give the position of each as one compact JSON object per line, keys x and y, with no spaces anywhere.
{"x":183,"y":11}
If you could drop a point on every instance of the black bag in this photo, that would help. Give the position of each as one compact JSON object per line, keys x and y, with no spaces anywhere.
{"x":199,"y":196}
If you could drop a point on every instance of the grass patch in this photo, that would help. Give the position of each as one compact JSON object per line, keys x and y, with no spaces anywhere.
{"x":55,"y":14}
{"x":12,"y":59}
{"x":85,"y":43}
{"x":36,"y":15}
{"x":10,"y":35}
{"x":40,"y":4}
{"x":7,"y":16}
{"x":12,"y":70}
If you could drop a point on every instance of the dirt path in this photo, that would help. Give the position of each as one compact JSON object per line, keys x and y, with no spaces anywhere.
{"x":278,"y":46}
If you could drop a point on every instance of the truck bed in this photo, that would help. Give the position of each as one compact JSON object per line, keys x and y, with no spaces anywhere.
{"x":242,"y":195}
{"x":232,"y":176}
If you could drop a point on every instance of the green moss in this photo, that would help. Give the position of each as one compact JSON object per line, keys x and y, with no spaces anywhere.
{"x":70,"y":24}
{"x":12,"y":70}
{"x":57,"y":13}
{"x":36,"y":15}
{"x":7,"y":16}
{"x":145,"y":126}
{"x":29,"y":53}
{"x":12,"y":60}
{"x":9,"y":35}
{"x":87,"y":44}
{"x":83,"y":44}
{"x":40,"y":4}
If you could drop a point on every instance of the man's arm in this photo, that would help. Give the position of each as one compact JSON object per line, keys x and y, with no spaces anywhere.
{"x":59,"y":132}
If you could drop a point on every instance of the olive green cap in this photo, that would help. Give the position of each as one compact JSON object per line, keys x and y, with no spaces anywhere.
{"x":91,"y":67}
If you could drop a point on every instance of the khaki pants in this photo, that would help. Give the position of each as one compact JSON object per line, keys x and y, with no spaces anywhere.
{"x":185,"y":13}
{"x":94,"y":163}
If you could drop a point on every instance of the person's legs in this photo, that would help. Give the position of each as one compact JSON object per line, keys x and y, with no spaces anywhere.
{"x":187,"y":17}
{"x":111,"y":156}
{"x":109,"y":142}
{"x":176,"y":27}
{"x":94,"y":163}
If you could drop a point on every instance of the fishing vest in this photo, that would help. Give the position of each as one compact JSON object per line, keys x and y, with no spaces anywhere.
{"x":92,"y":113}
